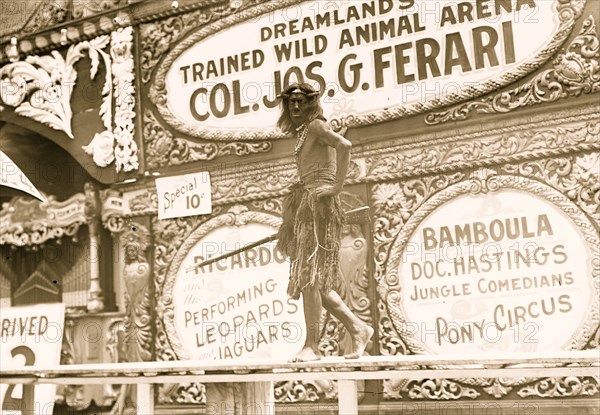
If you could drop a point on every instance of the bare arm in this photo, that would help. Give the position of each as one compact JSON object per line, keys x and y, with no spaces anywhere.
{"x":342,"y":147}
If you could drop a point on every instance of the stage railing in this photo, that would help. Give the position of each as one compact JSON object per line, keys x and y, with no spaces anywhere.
{"x":346,"y":372}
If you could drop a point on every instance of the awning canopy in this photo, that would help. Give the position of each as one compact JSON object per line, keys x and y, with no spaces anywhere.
{"x":12,"y":176}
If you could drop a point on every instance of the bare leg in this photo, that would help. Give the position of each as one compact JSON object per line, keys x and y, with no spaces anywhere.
{"x":120,"y":404}
{"x":311,"y":299}
{"x":360,"y":332}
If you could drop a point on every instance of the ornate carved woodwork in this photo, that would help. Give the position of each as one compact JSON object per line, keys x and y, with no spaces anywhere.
{"x":475,"y":146}
{"x":568,"y":181}
{"x":162,"y":149}
{"x":575,"y":71}
{"x":40,"y":88}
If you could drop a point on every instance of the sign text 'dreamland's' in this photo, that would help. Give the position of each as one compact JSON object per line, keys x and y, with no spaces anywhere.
{"x":365,"y":56}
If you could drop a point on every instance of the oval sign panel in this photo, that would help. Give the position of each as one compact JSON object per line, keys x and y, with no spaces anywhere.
{"x":521,"y":277}
{"x":234,"y":308}
{"x":372,"y":60}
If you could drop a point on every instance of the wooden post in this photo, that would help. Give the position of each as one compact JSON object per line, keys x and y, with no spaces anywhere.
{"x":95,"y":302}
{"x":258,"y":398}
{"x":347,"y":397}
{"x":145,"y":399}
{"x":240,"y":398}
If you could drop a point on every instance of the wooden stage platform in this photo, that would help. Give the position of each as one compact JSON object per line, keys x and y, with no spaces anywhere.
{"x":346,"y":372}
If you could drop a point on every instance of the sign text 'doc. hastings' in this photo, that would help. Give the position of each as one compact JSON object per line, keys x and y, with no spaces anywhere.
{"x":481,"y":274}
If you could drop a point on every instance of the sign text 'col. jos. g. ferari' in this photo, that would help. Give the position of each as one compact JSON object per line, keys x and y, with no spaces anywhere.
{"x":373,"y":60}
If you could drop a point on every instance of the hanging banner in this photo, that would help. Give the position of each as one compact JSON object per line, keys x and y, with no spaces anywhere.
{"x":373,"y":60}
{"x":12,"y":176}
{"x":30,"y":336}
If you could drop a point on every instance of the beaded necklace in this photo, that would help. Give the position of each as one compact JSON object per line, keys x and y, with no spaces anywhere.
{"x":301,"y":133}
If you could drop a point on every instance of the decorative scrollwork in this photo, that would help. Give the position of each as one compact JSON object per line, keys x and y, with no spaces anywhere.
{"x":138,"y":295}
{"x":157,"y":37}
{"x":27,"y":221}
{"x":561,"y":387}
{"x":474,"y":151}
{"x":162,"y":149}
{"x":578,"y":131}
{"x":112,"y":210}
{"x":126,"y":150}
{"x":169,"y":235}
{"x":117,"y":144}
{"x":430,"y":389}
{"x":219,"y":18}
{"x":575,"y":176}
{"x":90,"y":8}
{"x":567,"y":12}
{"x":440,"y":389}
{"x":390,"y":342}
{"x":579,"y":185}
{"x":393,"y":206}
{"x":575,"y":71}
{"x":145,"y":202}
{"x":268,"y":205}
{"x":40,"y":88}
{"x":48,"y":14}
{"x":498,"y":388}
{"x":182,"y":393}
{"x":297,"y":391}
{"x":489,"y":182}
{"x":355,"y":283}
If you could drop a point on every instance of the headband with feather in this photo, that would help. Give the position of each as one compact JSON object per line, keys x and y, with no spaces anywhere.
{"x":305,"y":90}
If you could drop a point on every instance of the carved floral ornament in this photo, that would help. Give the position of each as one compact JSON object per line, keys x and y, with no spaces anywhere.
{"x":157,"y":36}
{"x":572,"y":130}
{"x":28,"y":222}
{"x":48,"y":15}
{"x":41,"y":87}
{"x":566,"y":12}
{"x":164,"y":149}
{"x":575,"y":71}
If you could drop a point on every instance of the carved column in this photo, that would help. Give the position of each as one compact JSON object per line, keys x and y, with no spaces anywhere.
{"x":137,"y":345}
{"x":95,"y":301}
{"x":138,"y":296}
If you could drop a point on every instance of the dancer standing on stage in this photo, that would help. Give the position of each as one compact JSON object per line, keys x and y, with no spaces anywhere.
{"x":313,"y":217}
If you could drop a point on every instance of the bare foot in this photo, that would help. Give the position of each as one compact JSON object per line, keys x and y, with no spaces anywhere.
{"x":359,"y":342}
{"x":307,"y":354}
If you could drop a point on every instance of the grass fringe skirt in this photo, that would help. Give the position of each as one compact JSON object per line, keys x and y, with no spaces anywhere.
{"x":310,"y":235}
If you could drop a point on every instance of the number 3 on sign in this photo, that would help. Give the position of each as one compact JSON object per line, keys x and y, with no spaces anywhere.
{"x":25,"y":403}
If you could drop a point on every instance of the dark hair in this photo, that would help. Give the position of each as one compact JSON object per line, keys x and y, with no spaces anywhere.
{"x":314,"y":109}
